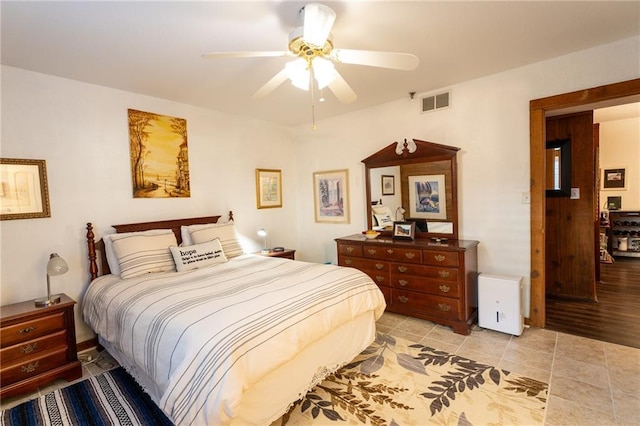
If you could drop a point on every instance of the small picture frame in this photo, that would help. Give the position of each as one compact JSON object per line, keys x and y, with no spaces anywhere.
{"x":614,"y":179}
{"x":614,"y":203}
{"x":404,"y":230}
{"x":388,"y":185}
{"x":24,"y":193}
{"x":268,"y":188}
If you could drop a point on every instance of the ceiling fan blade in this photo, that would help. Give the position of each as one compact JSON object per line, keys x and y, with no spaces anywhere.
{"x":271,"y":85}
{"x":342,"y":90}
{"x":393,"y":60}
{"x":263,"y":54}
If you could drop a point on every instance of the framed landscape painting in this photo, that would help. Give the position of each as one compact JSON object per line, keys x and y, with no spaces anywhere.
{"x":427,"y":197}
{"x":24,"y":193}
{"x":331,"y":196}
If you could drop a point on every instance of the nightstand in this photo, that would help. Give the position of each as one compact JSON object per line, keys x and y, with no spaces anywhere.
{"x":287,"y":254}
{"x":37,"y":345}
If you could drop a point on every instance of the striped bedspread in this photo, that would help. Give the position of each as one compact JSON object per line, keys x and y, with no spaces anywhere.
{"x":204,"y":336}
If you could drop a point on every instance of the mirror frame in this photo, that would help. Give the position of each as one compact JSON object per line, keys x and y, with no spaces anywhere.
{"x":565,"y":168}
{"x":400,"y":154}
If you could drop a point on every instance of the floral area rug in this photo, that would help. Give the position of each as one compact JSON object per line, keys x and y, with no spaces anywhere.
{"x":396,"y":382}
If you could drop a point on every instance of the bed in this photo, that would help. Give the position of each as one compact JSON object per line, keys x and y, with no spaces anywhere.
{"x":234,"y":339}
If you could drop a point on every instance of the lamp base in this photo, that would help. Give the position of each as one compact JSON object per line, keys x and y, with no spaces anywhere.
{"x":266,"y":251}
{"x":43,"y":302}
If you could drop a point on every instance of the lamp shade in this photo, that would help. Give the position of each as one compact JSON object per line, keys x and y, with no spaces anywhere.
{"x":56,"y":265}
{"x":263,"y":233}
{"x":318,"y":20}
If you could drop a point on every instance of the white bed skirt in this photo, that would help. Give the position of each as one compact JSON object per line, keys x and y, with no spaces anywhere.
{"x":272,"y":396}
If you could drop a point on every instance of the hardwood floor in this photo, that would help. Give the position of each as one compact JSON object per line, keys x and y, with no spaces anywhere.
{"x":615,"y":318}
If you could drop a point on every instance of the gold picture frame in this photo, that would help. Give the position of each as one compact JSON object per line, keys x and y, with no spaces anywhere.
{"x":268,"y":188}
{"x":24,"y":192}
{"x":331,"y":196}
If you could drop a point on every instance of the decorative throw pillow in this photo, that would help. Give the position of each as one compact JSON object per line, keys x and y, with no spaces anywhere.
{"x":144,"y":254}
{"x":112,"y":259}
{"x":226,"y":232}
{"x":198,"y":255}
{"x":383,"y":220}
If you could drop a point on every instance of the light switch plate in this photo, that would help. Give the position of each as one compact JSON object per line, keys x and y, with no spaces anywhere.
{"x":575,"y":193}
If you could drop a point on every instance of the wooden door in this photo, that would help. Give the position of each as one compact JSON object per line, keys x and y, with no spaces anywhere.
{"x":570,"y":223}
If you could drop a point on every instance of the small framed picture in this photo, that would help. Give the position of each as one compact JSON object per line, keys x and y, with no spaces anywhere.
{"x":268,"y":188}
{"x":404,"y":230}
{"x":614,"y":203}
{"x":614,"y":179}
{"x":24,"y":193}
{"x":388,"y":185}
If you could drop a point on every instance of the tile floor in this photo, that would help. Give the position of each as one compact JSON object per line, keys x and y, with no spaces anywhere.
{"x":590,"y":382}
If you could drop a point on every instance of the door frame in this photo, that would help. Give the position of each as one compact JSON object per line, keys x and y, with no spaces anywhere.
{"x":538,"y":109}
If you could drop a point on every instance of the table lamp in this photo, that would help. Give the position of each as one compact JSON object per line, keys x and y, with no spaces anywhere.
{"x":55,"y":266}
{"x":263,"y":233}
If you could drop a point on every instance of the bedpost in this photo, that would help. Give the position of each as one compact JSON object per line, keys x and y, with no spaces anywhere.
{"x":230,"y":216}
{"x":91,"y":245}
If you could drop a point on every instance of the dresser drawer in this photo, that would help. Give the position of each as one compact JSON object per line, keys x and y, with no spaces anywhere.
{"x":440,"y":258}
{"x":33,"y":366}
{"x":393,"y":254}
{"x":33,"y":347}
{"x":425,"y":285}
{"x":350,"y":249}
{"x":362,"y":264}
{"x":29,"y":330}
{"x":443,"y":307}
{"x":438,"y":273}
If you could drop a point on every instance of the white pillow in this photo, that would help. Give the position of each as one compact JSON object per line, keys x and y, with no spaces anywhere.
{"x":383,"y":210}
{"x":112,"y":259}
{"x":226,"y":232}
{"x":198,"y":255}
{"x":383,"y":220}
{"x":185,"y":231}
{"x":144,"y":254}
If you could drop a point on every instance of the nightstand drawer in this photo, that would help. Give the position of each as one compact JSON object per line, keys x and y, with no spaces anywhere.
{"x":33,"y":347}
{"x":28,"y":330}
{"x":33,"y":367}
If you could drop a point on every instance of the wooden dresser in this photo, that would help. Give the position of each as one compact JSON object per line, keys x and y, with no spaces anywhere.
{"x":421,"y":278}
{"x":37,"y":345}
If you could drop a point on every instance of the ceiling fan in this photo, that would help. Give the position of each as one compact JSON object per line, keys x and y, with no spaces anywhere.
{"x":312,"y":45}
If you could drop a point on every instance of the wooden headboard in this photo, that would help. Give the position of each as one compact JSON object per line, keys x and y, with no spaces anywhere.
{"x":96,"y":249}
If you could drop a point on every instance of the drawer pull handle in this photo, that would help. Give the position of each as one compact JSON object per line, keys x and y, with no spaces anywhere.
{"x":410,"y":255}
{"x":372,"y":251}
{"x":31,"y":367}
{"x":403,"y":299}
{"x":445,"y":288}
{"x":402,"y":268}
{"x":350,"y":249}
{"x":379,"y":278}
{"x":27,"y":349}
{"x":390,"y":251}
{"x":444,"y":307}
{"x":403,"y":282}
{"x":348,"y":261}
{"x":443,"y":274}
{"x":379,"y":265}
{"x":26,"y":330}
{"x":439,"y":257}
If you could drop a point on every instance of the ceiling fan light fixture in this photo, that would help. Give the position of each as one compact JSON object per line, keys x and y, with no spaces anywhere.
{"x":298,"y":72}
{"x":324,"y":72}
{"x":318,"y":20}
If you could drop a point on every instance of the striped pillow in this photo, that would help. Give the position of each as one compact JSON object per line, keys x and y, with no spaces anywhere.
{"x":226,"y":232}
{"x":144,"y":254}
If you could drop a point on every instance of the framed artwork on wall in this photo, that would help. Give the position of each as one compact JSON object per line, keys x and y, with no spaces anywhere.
{"x":24,"y":192}
{"x":331,"y":196}
{"x":268,"y":188}
{"x":614,"y":179}
{"x":388,"y":185}
{"x":427,"y":197}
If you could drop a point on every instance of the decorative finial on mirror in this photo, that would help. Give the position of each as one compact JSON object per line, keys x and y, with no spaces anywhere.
{"x":406,"y":147}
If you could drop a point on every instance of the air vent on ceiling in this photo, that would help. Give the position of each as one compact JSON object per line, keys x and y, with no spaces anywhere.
{"x":437,"y":101}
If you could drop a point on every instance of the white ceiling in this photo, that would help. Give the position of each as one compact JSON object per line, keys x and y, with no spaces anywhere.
{"x":154,"y":48}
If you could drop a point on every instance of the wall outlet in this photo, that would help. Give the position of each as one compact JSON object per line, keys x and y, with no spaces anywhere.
{"x":526,"y":198}
{"x":575,"y":193}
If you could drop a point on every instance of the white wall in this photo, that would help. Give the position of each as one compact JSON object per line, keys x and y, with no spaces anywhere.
{"x":489,"y":121}
{"x":620,"y":148}
{"x":81,"y":130}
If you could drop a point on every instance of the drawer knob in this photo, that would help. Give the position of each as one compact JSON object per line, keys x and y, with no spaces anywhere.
{"x":443,"y":274}
{"x":390,"y":251}
{"x":379,"y":278}
{"x":348,"y":261}
{"x":403,"y":299}
{"x":402,"y":268}
{"x":439,"y":257}
{"x":372,"y":251}
{"x":410,"y":255}
{"x":350,"y":249}
{"x":445,"y":288}
{"x":27,"y":349}
{"x":26,"y":330}
{"x":31,"y":367}
{"x":379,"y":265}
{"x":403,"y":282}
{"x":444,"y":307}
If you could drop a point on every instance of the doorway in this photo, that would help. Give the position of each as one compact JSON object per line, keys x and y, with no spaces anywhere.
{"x":612,"y":94}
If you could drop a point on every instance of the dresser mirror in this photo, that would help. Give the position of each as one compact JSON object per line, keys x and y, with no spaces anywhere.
{"x":413,"y":181}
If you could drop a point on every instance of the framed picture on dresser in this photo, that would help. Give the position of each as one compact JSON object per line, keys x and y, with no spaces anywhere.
{"x":404,"y":230}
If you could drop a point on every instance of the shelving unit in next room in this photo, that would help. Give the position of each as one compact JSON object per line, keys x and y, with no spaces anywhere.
{"x":625,"y":233}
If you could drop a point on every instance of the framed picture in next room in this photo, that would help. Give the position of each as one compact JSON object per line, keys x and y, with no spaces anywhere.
{"x":614,"y":179}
